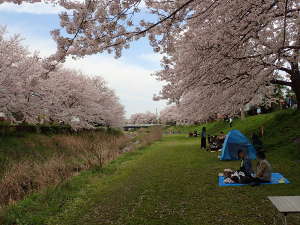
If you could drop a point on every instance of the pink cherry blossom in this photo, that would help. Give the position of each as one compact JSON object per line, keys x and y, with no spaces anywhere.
{"x":65,"y":95}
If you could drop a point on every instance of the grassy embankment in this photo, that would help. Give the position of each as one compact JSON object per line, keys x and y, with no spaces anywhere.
{"x":171,"y":182}
{"x":31,"y":162}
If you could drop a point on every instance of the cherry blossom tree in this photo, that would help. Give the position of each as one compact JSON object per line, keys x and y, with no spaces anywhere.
{"x":170,"y":115}
{"x":233,"y":57}
{"x":81,"y":101}
{"x":18,"y":74}
{"x":221,"y":55}
{"x":66,"y":96}
{"x":143,"y":118}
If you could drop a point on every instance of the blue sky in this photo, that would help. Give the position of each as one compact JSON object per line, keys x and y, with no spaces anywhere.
{"x":130,"y":76}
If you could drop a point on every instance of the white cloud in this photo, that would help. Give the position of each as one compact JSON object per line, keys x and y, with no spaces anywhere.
{"x":133,"y":84}
{"x":45,"y":48}
{"x":35,"y":8}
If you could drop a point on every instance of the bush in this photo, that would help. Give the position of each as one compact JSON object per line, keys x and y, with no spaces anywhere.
{"x":18,"y":130}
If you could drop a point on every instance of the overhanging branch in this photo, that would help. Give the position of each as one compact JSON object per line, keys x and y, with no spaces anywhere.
{"x":281,"y":82}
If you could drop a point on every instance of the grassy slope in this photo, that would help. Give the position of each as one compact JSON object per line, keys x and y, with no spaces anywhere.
{"x":29,"y":146}
{"x":32,"y":146}
{"x":170,"y":182}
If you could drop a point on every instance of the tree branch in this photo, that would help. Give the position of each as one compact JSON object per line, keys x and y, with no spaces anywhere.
{"x":281,"y":82}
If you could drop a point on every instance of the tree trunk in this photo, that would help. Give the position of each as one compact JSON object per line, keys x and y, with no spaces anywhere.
{"x":295,"y":78}
{"x":296,"y":89}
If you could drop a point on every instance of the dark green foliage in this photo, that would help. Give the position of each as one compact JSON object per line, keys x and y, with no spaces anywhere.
{"x":20,"y":130}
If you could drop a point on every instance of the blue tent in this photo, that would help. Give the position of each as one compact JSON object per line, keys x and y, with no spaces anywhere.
{"x":234,"y":142}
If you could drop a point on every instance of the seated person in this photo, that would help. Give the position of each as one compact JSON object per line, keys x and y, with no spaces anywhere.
{"x":246,"y":165}
{"x":263,"y":170}
{"x":209,"y":139}
{"x":221,"y":138}
{"x":195,"y":133}
{"x":213,"y":143}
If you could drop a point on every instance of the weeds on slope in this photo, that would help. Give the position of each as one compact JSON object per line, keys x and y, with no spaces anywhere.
{"x":74,"y":153}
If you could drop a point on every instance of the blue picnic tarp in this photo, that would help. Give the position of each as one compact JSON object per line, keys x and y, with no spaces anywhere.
{"x":275,"y":180}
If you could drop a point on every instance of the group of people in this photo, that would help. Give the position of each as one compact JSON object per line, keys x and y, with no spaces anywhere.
{"x":245,"y":174}
{"x":215,"y":142}
{"x":263,"y":169}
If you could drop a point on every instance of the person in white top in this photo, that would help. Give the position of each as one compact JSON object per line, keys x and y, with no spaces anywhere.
{"x":263,"y":170}
{"x":230,"y":121}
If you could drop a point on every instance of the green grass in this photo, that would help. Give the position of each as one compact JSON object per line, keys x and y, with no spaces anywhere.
{"x":170,"y":182}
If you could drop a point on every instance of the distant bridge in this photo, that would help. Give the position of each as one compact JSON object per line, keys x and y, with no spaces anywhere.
{"x":137,"y":126}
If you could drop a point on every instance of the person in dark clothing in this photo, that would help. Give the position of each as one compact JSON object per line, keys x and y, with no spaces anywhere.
{"x":257,"y":143}
{"x":203,"y":138}
{"x":246,"y":165}
{"x":246,"y":168}
{"x":226,"y":118}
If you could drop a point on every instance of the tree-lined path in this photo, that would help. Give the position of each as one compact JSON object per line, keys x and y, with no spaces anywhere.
{"x":170,"y":182}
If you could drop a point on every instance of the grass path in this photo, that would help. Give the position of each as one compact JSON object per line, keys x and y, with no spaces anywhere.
{"x":170,"y":182}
